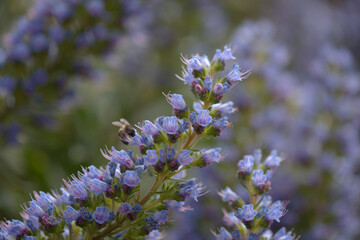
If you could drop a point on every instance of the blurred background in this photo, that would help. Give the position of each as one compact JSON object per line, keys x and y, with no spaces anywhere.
{"x":302,"y":99}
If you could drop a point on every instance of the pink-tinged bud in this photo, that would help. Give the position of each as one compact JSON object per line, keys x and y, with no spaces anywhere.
{"x":198,"y":88}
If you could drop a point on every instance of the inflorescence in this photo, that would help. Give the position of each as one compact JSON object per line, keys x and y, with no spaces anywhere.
{"x":253,"y":220}
{"x":113,"y":200}
{"x":46,"y":49}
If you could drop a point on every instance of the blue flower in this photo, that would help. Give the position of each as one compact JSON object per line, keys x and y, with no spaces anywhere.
{"x":162,"y":156}
{"x":192,"y":118}
{"x":77,"y":190}
{"x":246,"y":165}
{"x":194,"y":64}
{"x":137,"y":207}
{"x":183,"y":127}
{"x":218,"y":89}
{"x":149,"y":128}
{"x":57,"y":33}
{"x":14,"y":228}
{"x":95,"y":7}
{"x":170,"y":124}
{"x":101,"y":214}
{"x":170,"y":154}
{"x":275,"y":211}
{"x":224,"y":108}
{"x":259,"y":178}
{"x":95,"y":185}
{"x":20,"y":52}
{"x":230,"y":219}
{"x":204,"y":118}
{"x":228,"y":195}
{"x":45,"y":201}
{"x":246,"y":213}
{"x":151,"y":157}
{"x":125,"y":208}
{"x":223,"y":235}
{"x":237,"y":75}
{"x":212,"y":155}
{"x":273,"y":160}
{"x":86,"y":215}
{"x":39,"y":42}
{"x":161,"y":217}
{"x":62,"y":11}
{"x":154,"y":235}
{"x":207,"y":83}
{"x":189,"y":79}
{"x":204,"y":60}
{"x":70,"y":214}
{"x":178,"y":206}
{"x":191,"y":189}
{"x":131,"y":179}
{"x":34,"y":209}
{"x":216,"y":55}
{"x":257,"y":155}
{"x":120,"y":157}
{"x":7,"y":83}
{"x":283,"y":235}
{"x":93,"y":172}
{"x":221,"y":123}
{"x":226,"y":54}
{"x":184,"y":157}
{"x":176,"y":101}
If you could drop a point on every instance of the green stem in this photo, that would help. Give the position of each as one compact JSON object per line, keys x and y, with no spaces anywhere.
{"x":153,"y":204}
{"x":107,"y":230}
{"x":139,"y":192}
{"x":112,"y":205}
{"x":70,"y":233}
{"x":158,"y":182}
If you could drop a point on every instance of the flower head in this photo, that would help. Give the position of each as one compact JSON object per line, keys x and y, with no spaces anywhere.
{"x":275,"y":211}
{"x":226,"y":54}
{"x":70,"y":214}
{"x":125,"y":208}
{"x":34,"y":209}
{"x":207,"y":83}
{"x":212,"y":155}
{"x":176,"y":101}
{"x":95,"y":185}
{"x":273,"y":160}
{"x":223,"y":235}
{"x":195,"y":64}
{"x":228,"y":195}
{"x":77,"y":190}
{"x":204,"y":118}
{"x":246,"y":165}
{"x":246,"y":213}
{"x":237,"y":74}
{"x":101,"y":214}
{"x":191,"y":189}
{"x":224,"y":108}
{"x":131,"y":179}
{"x":259,"y":178}
{"x":151,"y":158}
{"x":149,"y":128}
{"x":14,"y":228}
{"x":222,"y":123}
{"x":184,"y":157}
{"x":170,"y":124}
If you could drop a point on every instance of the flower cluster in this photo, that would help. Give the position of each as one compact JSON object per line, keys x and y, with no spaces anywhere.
{"x":316,"y":106}
{"x":47,"y":48}
{"x":253,"y":220}
{"x":112,"y":200}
